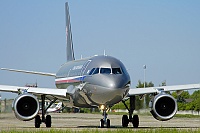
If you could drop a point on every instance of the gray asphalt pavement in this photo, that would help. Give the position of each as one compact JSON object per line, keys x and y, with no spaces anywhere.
{"x":79,"y":121}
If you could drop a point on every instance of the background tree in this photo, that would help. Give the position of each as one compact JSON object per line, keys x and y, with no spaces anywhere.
{"x":196,"y":100}
{"x":192,"y":103}
{"x":164,"y":83}
{"x":139,"y":104}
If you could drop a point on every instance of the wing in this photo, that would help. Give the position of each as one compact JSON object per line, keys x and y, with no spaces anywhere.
{"x":149,"y":90}
{"x":61,"y":93}
{"x":30,"y":72}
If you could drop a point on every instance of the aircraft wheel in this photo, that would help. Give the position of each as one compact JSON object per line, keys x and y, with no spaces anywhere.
{"x":48,"y":121}
{"x":108,"y":123}
{"x":101,"y":123}
{"x":135,"y":121}
{"x":125,"y":121}
{"x":37,"y":121}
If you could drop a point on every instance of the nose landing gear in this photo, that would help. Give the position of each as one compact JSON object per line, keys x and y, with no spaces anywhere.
{"x":104,"y":122}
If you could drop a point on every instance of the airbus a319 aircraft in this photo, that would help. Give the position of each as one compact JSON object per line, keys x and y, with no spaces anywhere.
{"x":98,"y":81}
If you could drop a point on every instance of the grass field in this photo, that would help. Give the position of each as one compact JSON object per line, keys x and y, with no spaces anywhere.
{"x":187,"y":116}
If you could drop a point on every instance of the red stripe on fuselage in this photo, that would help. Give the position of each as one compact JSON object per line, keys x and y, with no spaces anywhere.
{"x":67,"y":81}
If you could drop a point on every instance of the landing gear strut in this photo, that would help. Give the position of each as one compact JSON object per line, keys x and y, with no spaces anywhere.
{"x":133,"y":119}
{"x":47,"y":119}
{"x":105,"y":122}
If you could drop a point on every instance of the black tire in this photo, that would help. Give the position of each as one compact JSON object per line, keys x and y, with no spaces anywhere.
{"x":108,"y":123}
{"x":37,"y":121}
{"x":48,"y":121}
{"x":135,"y":121}
{"x":125,"y":121}
{"x":101,"y":123}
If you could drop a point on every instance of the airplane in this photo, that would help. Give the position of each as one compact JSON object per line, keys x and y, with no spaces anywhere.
{"x":57,"y":107}
{"x":97,"y":81}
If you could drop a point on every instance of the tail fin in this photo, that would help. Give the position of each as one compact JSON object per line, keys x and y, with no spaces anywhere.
{"x":70,"y":50}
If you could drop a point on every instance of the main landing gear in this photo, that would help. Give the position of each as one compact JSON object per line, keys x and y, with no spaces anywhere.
{"x":47,"y":119}
{"x":133,"y":119}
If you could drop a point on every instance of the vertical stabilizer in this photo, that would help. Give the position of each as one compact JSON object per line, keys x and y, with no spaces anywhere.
{"x":70,"y":50}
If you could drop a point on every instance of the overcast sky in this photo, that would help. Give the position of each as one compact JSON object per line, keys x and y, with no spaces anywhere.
{"x":163,"y":35}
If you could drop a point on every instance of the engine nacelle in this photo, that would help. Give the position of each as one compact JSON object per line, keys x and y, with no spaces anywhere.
{"x":25,"y":106}
{"x":163,"y":106}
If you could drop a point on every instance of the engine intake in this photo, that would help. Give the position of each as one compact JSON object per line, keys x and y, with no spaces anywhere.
{"x":25,"y":106}
{"x":163,"y":106}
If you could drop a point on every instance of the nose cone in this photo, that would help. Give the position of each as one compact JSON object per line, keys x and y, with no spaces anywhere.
{"x":108,"y":89}
{"x":115,"y":81}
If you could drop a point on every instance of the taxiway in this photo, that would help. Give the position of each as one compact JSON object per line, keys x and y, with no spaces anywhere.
{"x":79,"y":121}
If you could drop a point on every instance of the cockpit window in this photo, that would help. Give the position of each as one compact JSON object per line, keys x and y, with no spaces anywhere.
{"x":116,"y":71}
{"x":91,"y":72}
{"x":105,"y":71}
{"x":96,"y":71}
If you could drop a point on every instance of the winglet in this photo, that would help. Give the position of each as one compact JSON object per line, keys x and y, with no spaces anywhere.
{"x":70,"y":50}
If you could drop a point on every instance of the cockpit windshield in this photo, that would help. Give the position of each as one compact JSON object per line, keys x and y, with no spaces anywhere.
{"x":116,"y":71}
{"x":105,"y":71}
{"x":94,"y":71}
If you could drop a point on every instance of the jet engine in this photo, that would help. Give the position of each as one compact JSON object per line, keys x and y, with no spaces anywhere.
{"x":163,"y":106}
{"x":25,"y":106}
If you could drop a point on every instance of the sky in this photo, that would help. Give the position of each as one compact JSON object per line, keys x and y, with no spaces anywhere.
{"x":163,"y":35}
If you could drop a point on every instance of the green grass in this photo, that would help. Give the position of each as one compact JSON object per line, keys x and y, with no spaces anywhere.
{"x":186,"y":116}
{"x":152,"y":130}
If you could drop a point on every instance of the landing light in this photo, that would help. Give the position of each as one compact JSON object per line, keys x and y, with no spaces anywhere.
{"x":102,"y":107}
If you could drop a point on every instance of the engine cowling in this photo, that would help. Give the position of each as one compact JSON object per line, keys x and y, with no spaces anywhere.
{"x":163,"y":106}
{"x":25,"y":106}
